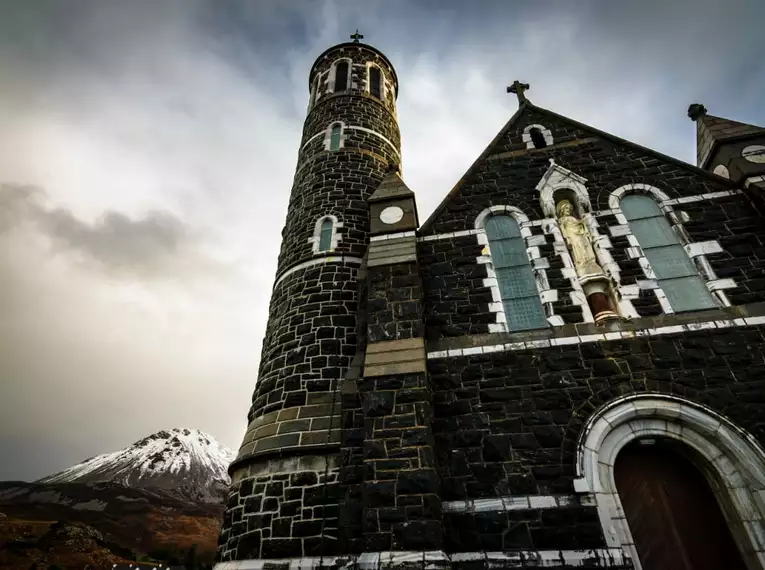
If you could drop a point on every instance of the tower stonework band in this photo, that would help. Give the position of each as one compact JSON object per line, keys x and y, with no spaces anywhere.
{"x":564,"y":366}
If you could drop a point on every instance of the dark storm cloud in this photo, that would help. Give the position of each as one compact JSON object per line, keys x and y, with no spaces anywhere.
{"x":193,"y":109}
{"x":115,"y":240}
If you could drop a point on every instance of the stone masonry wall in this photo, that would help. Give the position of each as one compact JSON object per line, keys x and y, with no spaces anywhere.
{"x":287,"y":509}
{"x":509,"y":175}
{"x":311,"y":337}
{"x":506,"y":423}
{"x":360,"y":55}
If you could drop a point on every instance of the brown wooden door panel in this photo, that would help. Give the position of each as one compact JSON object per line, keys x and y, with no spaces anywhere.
{"x":673,"y":515}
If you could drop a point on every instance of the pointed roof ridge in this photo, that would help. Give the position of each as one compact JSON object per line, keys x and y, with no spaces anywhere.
{"x":711,"y":130}
{"x":391,"y":186}
{"x":614,"y":138}
{"x":473,"y":166}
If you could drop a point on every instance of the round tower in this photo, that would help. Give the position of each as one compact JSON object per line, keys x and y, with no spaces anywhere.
{"x":283,"y":499}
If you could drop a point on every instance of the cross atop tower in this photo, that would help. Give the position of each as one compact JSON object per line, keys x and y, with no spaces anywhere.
{"x":519,"y":89}
{"x":357,"y":36}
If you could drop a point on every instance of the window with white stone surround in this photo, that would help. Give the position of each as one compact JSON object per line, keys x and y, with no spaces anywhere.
{"x":675,"y":272}
{"x":516,"y":274}
{"x":731,"y":460}
{"x":325,"y":234}
{"x":334,"y":136}
{"x":537,"y":136}
{"x":340,"y":75}
{"x":676,"y":268}
{"x":375,"y":85}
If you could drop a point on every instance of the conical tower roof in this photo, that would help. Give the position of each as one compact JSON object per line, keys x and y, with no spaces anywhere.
{"x":391,"y":187}
{"x":710,"y":130}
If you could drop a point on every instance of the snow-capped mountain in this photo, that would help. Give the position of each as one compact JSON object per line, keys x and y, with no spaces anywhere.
{"x":184,"y":462}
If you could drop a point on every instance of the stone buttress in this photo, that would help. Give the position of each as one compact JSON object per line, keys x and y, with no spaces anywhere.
{"x":390,"y":478}
{"x":284,"y":496}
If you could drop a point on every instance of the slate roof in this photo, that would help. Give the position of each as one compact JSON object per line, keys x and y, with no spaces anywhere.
{"x":710,"y":130}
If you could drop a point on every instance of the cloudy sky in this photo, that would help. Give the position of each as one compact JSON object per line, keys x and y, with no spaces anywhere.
{"x":147,"y":150}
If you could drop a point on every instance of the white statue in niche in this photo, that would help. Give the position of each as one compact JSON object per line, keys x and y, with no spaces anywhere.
{"x":578,"y":239}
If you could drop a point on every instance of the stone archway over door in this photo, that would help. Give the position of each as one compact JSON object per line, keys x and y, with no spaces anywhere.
{"x":732,"y":457}
{"x":675,"y":520}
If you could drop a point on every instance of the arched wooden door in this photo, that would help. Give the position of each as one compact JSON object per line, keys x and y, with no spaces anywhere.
{"x":673,"y":515}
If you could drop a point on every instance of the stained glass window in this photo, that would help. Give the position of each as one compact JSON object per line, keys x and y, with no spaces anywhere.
{"x":675,"y":271}
{"x":325,"y":236}
{"x":334,"y":139}
{"x":517,"y":287}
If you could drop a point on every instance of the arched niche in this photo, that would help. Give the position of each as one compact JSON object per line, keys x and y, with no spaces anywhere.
{"x":732,"y":460}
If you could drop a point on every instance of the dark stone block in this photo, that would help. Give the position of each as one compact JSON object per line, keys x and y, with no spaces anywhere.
{"x":306,"y":528}
{"x":281,"y":548}
{"x":497,"y":448}
{"x":271,"y":504}
{"x":281,"y":527}
{"x":275,"y":489}
{"x":303,"y":479}
{"x":379,"y":494}
{"x":252,"y":504}
{"x":249,"y":546}
{"x":417,"y":482}
{"x":245,"y":489}
{"x":378,"y":403}
{"x":417,"y":535}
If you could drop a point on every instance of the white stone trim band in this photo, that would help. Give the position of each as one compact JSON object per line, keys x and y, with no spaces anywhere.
{"x":343,"y":259}
{"x":514,"y":503}
{"x":323,"y":132}
{"x":450,"y":235}
{"x":595,"y":558}
{"x":393,"y":236}
{"x":600,"y":337}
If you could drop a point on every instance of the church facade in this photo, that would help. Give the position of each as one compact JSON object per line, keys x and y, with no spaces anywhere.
{"x":564,"y":366}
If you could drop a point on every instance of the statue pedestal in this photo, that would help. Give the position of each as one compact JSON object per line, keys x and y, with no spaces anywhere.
{"x":596,"y":289}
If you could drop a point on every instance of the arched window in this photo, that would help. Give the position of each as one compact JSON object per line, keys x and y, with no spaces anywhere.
{"x":537,"y":138}
{"x":375,"y":82}
{"x":335,"y":136}
{"x":517,"y":286}
{"x":325,"y":235}
{"x":674,"y":269}
{"x":341,"y":76}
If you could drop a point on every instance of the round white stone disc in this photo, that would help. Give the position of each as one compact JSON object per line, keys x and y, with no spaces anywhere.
{"x":391,"y":215}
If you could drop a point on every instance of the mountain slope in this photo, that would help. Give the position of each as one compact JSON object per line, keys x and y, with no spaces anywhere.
{"x":186,"y":463}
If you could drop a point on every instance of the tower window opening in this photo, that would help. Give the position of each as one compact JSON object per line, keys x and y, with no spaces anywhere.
{"x":375,"y":82}
{"x":537,"y":138}
{"x":341,"y":76}
{"x":335,"y":136}
{"x":325,"y":235}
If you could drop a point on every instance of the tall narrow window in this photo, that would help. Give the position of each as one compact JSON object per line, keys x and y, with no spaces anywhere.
{"x":334,"y":137}
{"x":341,"y":76}
{"x":375,"y":82}
{"x":537,"y":138}
{"x":325,"y":235}
{"x":675,"y":271}
{"x":518,"y":289}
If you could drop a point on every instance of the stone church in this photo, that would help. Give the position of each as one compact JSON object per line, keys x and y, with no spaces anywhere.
{"x":563,"y":366}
